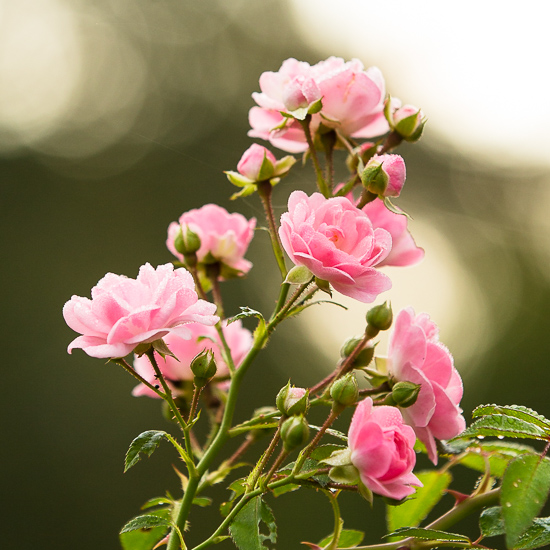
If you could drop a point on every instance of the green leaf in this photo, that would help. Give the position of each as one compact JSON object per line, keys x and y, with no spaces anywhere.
{"x":491,"y":523}
{"x":524,"y":491}
{"x":536,"y":536}
{"x":147,"y":521}
{"x":324,"y":451}
{"x":285,"y":489}
{"x":245,"y":528}
{"x":418,"y":506}
{"x":349,"y":538}
{"x":245,"y":313}
{"x":505,"y":426}
{"x":202,"y":501}
{"x":142,"y":540}
{"x":499,"y":454}
{"x":515,"y":411}
{"x":157,"y":501}
{"x":145,"y":443}
{"x":428,"y":534}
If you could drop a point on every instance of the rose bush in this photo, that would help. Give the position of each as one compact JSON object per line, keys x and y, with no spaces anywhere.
{"x":125,"y":312}
{"x":238,"y":338}
{"x":382,"y":450}
{"x":224,"y":237}
{"x":352,"y":101}
{"x":337,"y":242}
{"x":416,"y":355}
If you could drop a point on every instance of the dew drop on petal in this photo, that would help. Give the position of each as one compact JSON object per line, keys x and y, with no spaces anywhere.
{"x":500,"y":437}
{"x":481,"y":437}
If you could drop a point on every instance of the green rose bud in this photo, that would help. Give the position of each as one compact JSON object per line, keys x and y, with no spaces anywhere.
{"x":204,"y":367}
{"x":379,"y":318}
{"x":404,"y":394}
{"x":294,"y":432}
{"x":345,"y":391}
{"x":187,"y":241}
{"x":291,"y":400}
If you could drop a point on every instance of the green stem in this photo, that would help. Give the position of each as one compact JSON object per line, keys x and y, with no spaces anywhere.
{"x":342,"y":368}
{"x":265,"y":190}
{"x":281,"y":314}
{"x":194,"y":403}
{"x":219,"y":440}
{"x":321,"y":183}
{"x":168,"y":397}
{"x":285,"y":287}
{"x":337,"y":521}
{"x":122,"y":362}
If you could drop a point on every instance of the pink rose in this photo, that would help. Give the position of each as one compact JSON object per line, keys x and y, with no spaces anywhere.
{"x":384,"y":175}
{"x":382,"y":449}
{"x":336,"y":242}
{"x":253,"y":160}
{"x":238,"y":338}
{"x":404,"y":251}
{"x":352,"y":101}
{"x":416,"y":355}
{"x":224,"y":237}
{"x":125,"y":312}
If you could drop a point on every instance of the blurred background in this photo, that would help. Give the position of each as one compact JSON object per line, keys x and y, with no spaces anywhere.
{"x":116,"y":116}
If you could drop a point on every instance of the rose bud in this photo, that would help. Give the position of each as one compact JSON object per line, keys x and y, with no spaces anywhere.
{"x":384,"y":175}
{"x":291,"y":401}
{"x":294,"y":432}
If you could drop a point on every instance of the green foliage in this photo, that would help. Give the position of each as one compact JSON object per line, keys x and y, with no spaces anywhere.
{"x":419,"y":505}
{"x":504,"y":426}
{"x":524,"y":491}
{"x":491,"y":524}
{"x":428,"y":534}
{"x":145,"y":443}
{"x":515,"y":411}
{"x":142,"y":539}
{"x":498,"y":453}
{"x":148,"y":521}
{"x":245,"y":528}
{"x":349,"y":538}
{"x":244,"y":314}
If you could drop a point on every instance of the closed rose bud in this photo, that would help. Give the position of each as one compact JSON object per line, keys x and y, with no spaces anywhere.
{"x":187,"y":241}
{"x":204,"y":367}
{"x":291,"y":401}
{"x":384,"y":175}
{"x":408,"y":122}
{"x":404,"y":394}
{"x":294,"y":432}
{"x":379,"y":318}
{"x":345,"y":391}
{"x":364,"y":357}
{"x":257,"y":163}
{"x":349,"y":345}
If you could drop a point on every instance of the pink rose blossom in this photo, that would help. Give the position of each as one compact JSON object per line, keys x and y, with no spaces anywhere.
{"x":407,"y":120}
{"x":404,"y":251}
{"x":224,"y":237}
{"x":336,"y":242}
{"x":238,"y":338}
{"x":125,"y":312}
{"x":416,"y":355}
{"x":252,"y":161}
{"x":382,"y":449}
{"x":389,"y":181}
{"x":352,"y":101}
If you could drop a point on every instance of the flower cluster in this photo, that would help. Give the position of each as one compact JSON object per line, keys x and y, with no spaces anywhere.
{"x":339,"y":238}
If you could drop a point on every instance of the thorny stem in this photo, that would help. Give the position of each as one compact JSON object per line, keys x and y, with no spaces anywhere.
{"x":266,"y":456}
{"x":264,"y":190}
{"x":333,"y":497}
{"x":393,"y":139}
{"x":194,"y":403}
{"x":122,"y":362}
{"x":243,"y":447}
{"x":308,"y":450}
{"x":321,"y":183}
{"x":275,"y":466}
{"x":342,"y":368}
{"x":281,"y":314}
